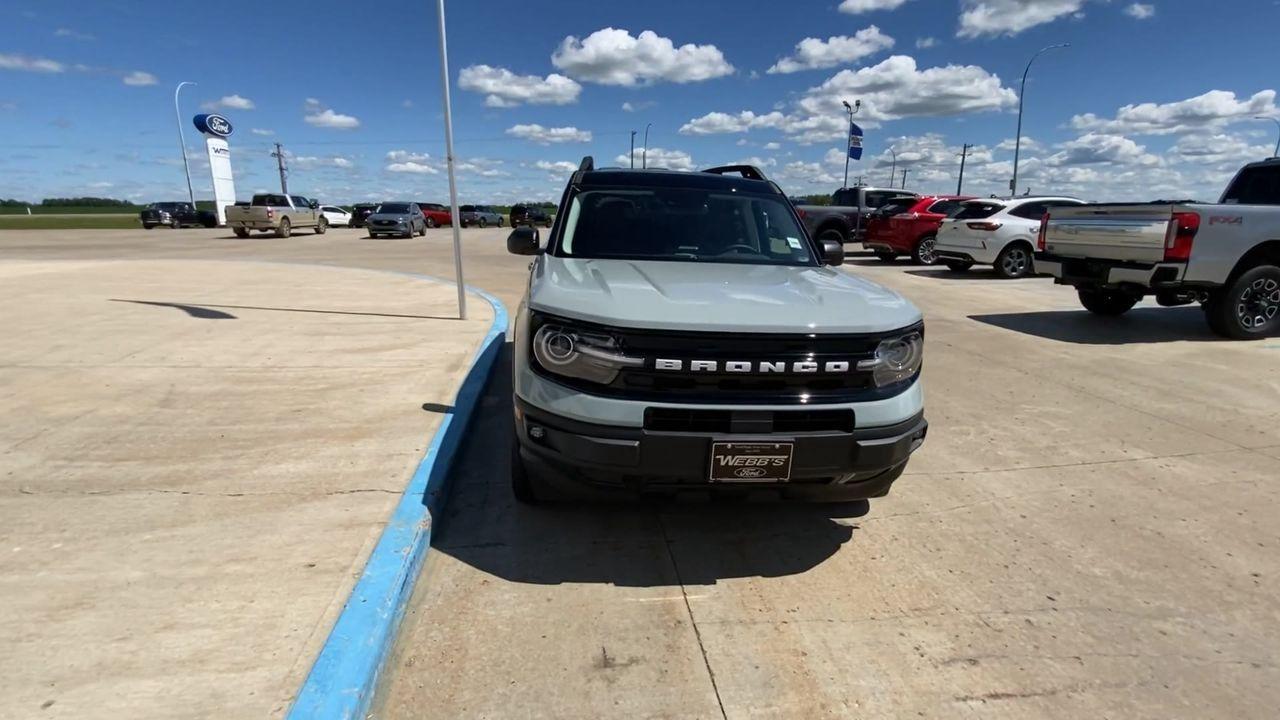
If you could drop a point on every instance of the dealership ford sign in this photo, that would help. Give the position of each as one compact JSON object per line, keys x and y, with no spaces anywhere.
{"x":213,"y":124}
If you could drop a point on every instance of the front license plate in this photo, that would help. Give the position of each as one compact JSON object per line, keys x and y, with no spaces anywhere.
{"x":750,"y":461}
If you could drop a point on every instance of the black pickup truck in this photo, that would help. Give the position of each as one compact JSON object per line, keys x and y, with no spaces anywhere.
{"x":176,"y":215}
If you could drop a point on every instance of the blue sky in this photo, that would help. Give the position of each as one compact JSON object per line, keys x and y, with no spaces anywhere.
{"x":1153,"y":99}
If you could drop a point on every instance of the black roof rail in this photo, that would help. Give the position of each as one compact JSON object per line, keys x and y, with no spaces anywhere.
{"x":588,"y":164}
{"x":750,"y":172}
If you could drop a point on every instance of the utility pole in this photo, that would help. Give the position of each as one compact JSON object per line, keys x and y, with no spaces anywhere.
{"x":963,"y":154}
{"x":633,"y":149}
{"x":904,"y":178}
{"x":284,"y":171}
{"x":454,"y":215}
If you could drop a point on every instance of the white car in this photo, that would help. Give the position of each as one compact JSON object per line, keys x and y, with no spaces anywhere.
{"x":997,"y":232}
{"x":336,"y":216}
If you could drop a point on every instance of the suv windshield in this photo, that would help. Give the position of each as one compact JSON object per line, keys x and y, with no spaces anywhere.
{"x":393,"y":208}
{"x":683,"y":224}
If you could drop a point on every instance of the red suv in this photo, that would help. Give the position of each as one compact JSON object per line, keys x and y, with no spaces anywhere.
{"x":909,"y":225}
{"x":436,"y":214}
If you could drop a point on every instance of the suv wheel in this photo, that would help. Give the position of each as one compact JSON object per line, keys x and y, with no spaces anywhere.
{"x":1014,"y":261}
{"x":284,"y":229}
{"x":1249,"y":308}
{"x":1106,"y":302}
{"x":321,"y":226}
{"x":483,"y":223}
{"x":241,"y":232}
{"x":431,"y":222}
{"x":925,"y":252}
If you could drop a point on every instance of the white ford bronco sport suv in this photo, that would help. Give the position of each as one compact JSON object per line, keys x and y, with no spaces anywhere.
{"x":681,"y":331}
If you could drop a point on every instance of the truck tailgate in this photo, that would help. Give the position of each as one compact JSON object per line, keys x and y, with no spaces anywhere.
{"x":1134,"y":233}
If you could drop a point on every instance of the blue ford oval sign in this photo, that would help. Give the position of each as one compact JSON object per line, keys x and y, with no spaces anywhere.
{"x":213,"y":124}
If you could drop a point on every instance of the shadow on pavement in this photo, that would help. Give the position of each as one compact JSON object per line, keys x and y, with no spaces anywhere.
{"x":636,"y":545}
{"x":203,"y":310}
{"x":1141,"y":325}
{"x":195,"y":311}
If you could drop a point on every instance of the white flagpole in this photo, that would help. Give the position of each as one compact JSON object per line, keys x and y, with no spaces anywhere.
{"x":448,"y":150}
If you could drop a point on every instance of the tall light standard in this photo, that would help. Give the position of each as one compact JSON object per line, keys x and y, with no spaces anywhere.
{"x":1022,"y":91}
{"x":1277,"y":122}
{"x":644,"y":154}
{"x":182,"y":141}
{"x":893,"y":169}
{"x":448,"y":153}
{"x":633,"y":149}
{"x":851,"y":109}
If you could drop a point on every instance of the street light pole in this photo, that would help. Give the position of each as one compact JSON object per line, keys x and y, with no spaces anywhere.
{"x":644,"y":154}
{"x":851,"y":109}
{"x":182,"y":141}
{"x":448,"y":150}
{"x":904,"y":178}
{"x":893,"y":169}
{"x":1022,"y":91}
{"x":633,"y":149}
{"x":1277,"y":122}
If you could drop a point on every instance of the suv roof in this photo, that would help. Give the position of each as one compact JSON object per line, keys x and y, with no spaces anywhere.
{"x":750,"y":179}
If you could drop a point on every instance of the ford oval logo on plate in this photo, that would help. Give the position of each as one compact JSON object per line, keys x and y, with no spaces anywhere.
{"x":213,"y":124}
{"x":749,"y":472}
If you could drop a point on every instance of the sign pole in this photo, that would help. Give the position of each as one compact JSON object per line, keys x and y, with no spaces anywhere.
{"x":448,"y":150}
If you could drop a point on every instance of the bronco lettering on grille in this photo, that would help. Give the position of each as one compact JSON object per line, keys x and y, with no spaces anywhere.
{"x":753,"y":366}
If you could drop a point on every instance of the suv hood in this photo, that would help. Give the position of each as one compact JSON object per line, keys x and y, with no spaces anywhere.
{"x":715,"y":297}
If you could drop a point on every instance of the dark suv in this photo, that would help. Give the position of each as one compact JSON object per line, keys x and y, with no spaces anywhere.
{"x":360,"y":213}
{"x":529,"y":215}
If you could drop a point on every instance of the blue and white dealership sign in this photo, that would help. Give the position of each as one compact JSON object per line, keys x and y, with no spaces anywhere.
{"x":215,"y":129}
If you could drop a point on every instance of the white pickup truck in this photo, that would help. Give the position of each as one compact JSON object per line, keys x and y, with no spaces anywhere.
{"x":271,"y":212}
{"x":1226,"y":256}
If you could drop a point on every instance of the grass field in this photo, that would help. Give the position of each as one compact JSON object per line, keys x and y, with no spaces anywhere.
{"x":69,"y":222}
{"x":71,"y":210}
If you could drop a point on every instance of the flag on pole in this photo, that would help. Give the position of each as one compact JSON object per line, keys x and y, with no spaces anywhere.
{"x":855,"y":141}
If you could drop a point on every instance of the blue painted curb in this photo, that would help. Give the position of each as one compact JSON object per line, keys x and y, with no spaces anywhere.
{"x":341,"y":683}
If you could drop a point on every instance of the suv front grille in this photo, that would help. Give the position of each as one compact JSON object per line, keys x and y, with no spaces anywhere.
{"x":664,"y":419}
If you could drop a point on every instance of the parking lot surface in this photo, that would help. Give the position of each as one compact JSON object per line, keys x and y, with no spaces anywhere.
{"x":196,"y":456}
{"x":1089,"y":531}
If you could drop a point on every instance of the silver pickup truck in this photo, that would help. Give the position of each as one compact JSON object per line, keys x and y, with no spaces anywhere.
{"x":1226,"y":256}
{"x":272,"y":212}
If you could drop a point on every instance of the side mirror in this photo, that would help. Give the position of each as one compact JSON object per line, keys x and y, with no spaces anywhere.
{"x":315,"y":204}
{"x":832,"y":253}
{"x":523,"y":240}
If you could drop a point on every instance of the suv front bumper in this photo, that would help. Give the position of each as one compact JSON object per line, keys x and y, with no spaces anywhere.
{"x":828,"y":465}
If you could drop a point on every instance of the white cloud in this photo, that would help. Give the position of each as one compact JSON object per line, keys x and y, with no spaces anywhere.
{"x":262,"y":131}
{"x":231,"y":102}
{"x":637,"y":106}
{"x":1140,"y":11}
{"x":991,"y":18}
{"x":545,"y":135}
{"x":483,"y":167}
{"x":925,"y":151}
{"x":560,"y":166}
{"x":503,"y":88}
{"x":661,"y":158}
{"x":772,"y":146}
{"x":718,"y":123}
{"x":755,"y":160}
{"x":925,"y":43}
{"x":320,"y":116}
{"x":309,"y":162}
{"x":30,"y":64}
{"x":1211,"y":110}
{"x":857,"y":7}
{"x":811,"y":173}
{"x":613,"y":57}
{"x":139,"y":78}
{"x":1094,"y":148}
{"x":412,"y":167}
{"x":72,"y":34}
{"x":813,"y":53}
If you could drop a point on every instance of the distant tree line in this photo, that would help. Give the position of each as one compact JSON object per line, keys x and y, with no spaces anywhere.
{"x":69,"y":202}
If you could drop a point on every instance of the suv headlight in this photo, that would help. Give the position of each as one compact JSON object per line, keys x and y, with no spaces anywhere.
{"x":896,"y":359}
{"x":575,"y":353}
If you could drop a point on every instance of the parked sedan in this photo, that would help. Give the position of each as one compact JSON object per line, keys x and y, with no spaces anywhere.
{"x":529,"y":215}
{"x":481,"y":215}
{"x":436,"y":214}
{"x":336,"y":216}
{"x":403,"y":219}
{"x":997,"y":232}
{"x":909,"y":226}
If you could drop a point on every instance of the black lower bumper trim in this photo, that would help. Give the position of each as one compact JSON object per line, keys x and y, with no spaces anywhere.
{"x":831,"y":464}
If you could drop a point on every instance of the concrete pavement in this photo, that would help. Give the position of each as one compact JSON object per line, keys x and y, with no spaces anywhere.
{"x":195,"y":459}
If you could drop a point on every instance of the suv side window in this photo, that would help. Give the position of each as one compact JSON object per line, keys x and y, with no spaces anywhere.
{"x":944,"y":207}
{"x":876,"y":199}
{"x":1030,"y":211}
{"x":299,"y":201}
